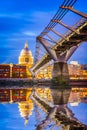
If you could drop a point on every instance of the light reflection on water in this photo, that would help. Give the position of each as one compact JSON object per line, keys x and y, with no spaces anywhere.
{"x":31,"y":114}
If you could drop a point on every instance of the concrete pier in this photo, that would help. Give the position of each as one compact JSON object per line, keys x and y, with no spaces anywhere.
{"x":60,"y":72}
{"x":60,"y":96}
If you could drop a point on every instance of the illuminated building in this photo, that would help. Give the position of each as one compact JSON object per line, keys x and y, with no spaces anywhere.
{"x":15,"y":95}
{"x":26,"y":58}
{"x":4,"y":71}
{"x":12,"y":71}
{"x":21,"y":96}
{"x":84,"y":71}
{"x":75,"y":70}
{"x":12,"y":95}
{"x":74,"y":98}
{"x":18,"y":95}
{"x":78,"y":95}
{"x":74,"y":63}
{"x":44,"y":93}
{"x":4,"y":95}
{"x":19,"y":71}
{"x":45,"y":73}
{"x":25,"y":109}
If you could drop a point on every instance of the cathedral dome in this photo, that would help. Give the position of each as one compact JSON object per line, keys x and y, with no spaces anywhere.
{"x":25,"y":51}
{"x":26,"y":56}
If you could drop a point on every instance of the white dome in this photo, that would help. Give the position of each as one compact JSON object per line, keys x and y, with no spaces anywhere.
{"x":26,"y":56}
{"x":25,"y":51}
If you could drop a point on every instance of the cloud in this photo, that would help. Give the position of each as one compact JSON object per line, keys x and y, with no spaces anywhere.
{"x":29,"y":33}
{"x":24,"y":20}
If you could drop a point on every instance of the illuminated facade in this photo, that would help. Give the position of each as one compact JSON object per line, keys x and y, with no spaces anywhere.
{"x":25,"y":109}
{"x":4,"y":95}
{"x":15,"y":95}
{"x":76,"y":71}
{"x":26,"y":58}
{"x":78,"y":95}
{"x":4,"y":71}
{"x":44,"y":93}
{"x":21,"y":96}
{"x":12,"y":95}
{"x":19,"y":71}
{"x":84,"y":72}
{"x":13,"y":71}
{"x":45,"y":73}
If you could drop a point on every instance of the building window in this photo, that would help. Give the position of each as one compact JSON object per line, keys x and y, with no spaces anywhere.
{"x":26,"y":59}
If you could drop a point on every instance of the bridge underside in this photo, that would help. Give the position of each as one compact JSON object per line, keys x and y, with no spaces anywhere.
{"x":63,"y":49}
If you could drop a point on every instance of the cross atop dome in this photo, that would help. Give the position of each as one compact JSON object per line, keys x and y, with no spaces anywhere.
{"x":26,"y":44}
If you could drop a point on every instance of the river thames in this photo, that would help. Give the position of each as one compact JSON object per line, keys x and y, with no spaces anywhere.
{"x":42,"y":108}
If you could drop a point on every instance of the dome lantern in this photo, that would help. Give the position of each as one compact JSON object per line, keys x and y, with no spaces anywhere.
{"x":26,"y":45}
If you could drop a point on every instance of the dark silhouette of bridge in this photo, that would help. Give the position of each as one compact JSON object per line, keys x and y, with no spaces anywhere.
{"x":59,"y":51}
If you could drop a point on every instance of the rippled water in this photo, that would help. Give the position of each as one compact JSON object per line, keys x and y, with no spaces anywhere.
{"x":30,"y":114}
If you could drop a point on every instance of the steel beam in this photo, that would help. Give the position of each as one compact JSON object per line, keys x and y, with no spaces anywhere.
{"x":66,"y":26}
{"x":75,"y":11}
{"x":70,"y":52}
{"x":57,"y":33}
{"x":51,"y":38}
{"x":50,"y":51}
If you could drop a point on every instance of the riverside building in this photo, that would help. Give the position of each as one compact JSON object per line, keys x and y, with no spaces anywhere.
{"x":20,"y":70}
{"x":25,"y":63}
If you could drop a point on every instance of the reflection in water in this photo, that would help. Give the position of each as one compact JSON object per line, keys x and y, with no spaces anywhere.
{"x":25,"y":109}
{"x":52,"y":110}
{"x":59,"y":112}
{"x":78,"y":95}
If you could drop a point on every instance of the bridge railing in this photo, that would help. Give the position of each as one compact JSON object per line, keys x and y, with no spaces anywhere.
{"x":75,"y":26}
{"x":67,"y":34}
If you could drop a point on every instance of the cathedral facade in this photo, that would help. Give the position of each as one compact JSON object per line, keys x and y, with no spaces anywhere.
{"x":26,"y":59}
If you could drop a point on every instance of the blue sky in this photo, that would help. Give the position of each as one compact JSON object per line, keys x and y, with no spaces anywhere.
{"x":22,"y":20}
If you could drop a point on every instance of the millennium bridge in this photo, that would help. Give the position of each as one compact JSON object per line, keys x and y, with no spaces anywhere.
{"x":57,"y":48}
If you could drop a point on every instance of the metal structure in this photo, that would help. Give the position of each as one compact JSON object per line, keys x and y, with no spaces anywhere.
{"x":61,"y":50}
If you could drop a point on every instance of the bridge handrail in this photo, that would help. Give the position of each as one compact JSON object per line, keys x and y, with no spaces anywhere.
{"x":75,"y":26}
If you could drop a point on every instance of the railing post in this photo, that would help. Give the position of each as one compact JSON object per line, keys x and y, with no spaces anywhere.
{"x":66,"y":26}
{"x":75,"y":11}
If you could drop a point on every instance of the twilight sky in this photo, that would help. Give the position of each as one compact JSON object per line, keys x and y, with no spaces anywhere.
{"x":22,"y":20}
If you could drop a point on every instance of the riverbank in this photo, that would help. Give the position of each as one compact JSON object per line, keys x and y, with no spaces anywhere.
{"x":16,"y":81}
{"x":42,"y":82}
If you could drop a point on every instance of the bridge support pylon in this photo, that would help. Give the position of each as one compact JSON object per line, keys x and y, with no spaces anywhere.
{"x":60,"y":73}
